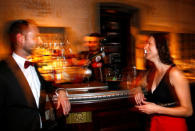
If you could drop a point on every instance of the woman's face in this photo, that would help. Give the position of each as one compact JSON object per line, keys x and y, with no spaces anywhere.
{"x":150,"y":49}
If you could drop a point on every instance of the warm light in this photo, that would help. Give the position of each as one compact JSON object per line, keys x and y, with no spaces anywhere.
{"x":88,"y":72}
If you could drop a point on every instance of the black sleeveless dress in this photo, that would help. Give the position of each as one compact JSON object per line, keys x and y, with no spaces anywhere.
{"x":164,"y":95}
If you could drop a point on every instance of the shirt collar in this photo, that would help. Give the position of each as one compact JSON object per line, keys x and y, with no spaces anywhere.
{"x":19,"y":60}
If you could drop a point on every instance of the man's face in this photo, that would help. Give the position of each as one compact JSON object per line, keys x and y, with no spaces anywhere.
{"x":92,"y":43}
{"x":30,"y":39}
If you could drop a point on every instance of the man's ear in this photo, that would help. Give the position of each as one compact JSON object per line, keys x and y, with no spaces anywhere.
{"x":20,"y":38}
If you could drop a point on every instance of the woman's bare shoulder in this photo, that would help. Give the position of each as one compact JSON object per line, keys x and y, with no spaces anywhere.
{"x":176,"y":75}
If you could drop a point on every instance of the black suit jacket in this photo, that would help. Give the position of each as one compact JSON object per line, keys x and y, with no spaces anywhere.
{"x":18,"y":109}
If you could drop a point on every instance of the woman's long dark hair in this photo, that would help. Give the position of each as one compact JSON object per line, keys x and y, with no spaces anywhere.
{"x":162,"y":48}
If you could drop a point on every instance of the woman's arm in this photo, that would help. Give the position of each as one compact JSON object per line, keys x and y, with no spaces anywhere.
{"x":182,"y":90}
{"x":140,"y":82}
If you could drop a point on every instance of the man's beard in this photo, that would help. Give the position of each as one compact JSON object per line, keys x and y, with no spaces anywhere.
{"x":28,"y":50}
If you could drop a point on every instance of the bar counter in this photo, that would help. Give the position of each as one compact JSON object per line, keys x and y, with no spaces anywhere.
{"x":99,"y":107}
{"x":96,"y":107}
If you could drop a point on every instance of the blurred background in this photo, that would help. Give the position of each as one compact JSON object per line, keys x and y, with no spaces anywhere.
{"x":123,"y":24}
{"x":122,"y":27}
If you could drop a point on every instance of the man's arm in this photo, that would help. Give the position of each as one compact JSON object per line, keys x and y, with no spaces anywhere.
{"x":62,"y":98}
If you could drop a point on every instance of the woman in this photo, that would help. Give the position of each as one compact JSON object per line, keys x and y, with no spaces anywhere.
{"x":168,"y":99}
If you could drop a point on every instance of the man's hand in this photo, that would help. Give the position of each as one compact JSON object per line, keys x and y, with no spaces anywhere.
{"x":63,"y":102}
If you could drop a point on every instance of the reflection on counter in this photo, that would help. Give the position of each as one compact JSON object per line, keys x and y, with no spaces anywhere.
{"x":94,"y":94}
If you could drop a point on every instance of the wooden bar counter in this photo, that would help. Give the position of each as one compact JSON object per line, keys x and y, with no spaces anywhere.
{"x":101,"y":108}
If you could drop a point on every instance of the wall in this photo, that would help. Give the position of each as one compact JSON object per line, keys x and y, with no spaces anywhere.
{"x":76,"y":15}
{"x":80,"y":17}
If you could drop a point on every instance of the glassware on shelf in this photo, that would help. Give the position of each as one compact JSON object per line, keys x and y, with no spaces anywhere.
{"x":54,"y":58}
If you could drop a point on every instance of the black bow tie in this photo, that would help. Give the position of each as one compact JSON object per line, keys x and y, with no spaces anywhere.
{"x":28,"y":63}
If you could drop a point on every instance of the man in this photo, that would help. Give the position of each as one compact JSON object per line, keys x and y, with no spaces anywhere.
{"x":96,"y":55}
{"x":22,"y":89}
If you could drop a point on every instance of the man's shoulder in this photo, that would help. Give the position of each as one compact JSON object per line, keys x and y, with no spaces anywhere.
{"x":4,"y":64}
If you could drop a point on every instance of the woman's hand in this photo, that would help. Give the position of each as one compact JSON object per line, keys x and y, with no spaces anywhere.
{"x":148,"y":107}
{"x":139,"y":96}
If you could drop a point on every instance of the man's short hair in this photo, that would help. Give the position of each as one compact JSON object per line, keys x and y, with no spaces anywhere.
{"x":15,"y":27}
